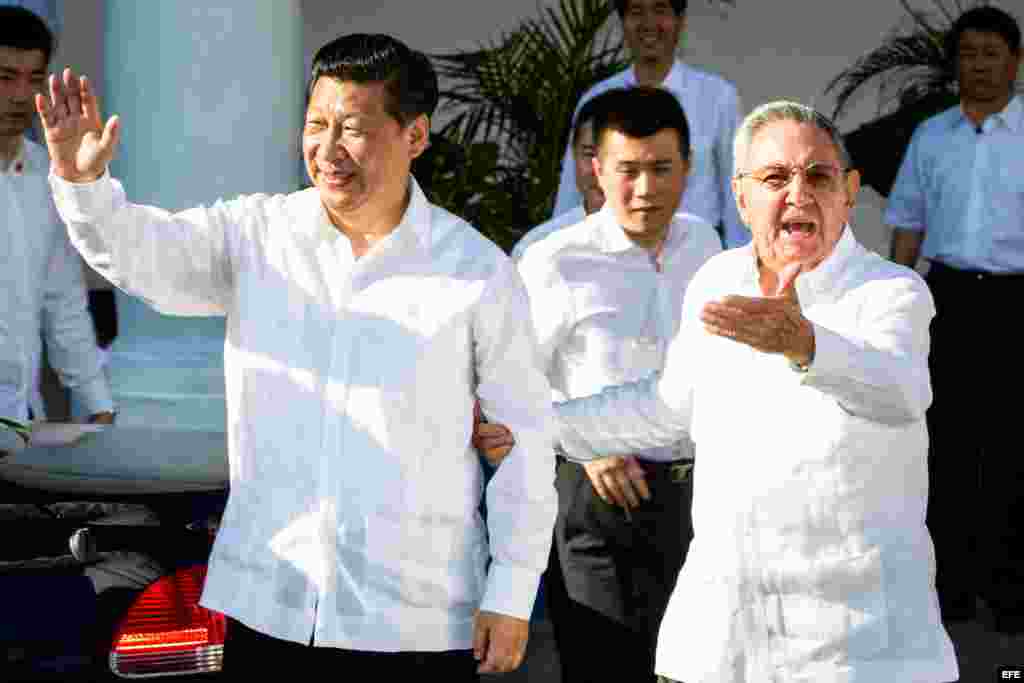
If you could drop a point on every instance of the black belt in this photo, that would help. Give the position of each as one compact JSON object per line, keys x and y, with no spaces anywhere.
{"x":939,"y":269}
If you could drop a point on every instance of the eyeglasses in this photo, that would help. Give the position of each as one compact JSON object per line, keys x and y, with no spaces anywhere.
{"x":820,"y":178}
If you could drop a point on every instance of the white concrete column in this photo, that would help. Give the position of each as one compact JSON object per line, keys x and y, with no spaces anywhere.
{"x":211,"y":98}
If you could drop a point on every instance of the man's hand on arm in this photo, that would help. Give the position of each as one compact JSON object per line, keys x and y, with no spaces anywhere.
{"x":102,"y":418}
{"x":491,"y":440}
{"x":906,"y":246}
{"x":499,"y":642}
{"x":774,"y":324}
{"x":80,"y":144}
{"x":618,"y":480}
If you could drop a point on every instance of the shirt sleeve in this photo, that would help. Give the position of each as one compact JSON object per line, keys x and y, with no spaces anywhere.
{"x":178,"y":263}
{"x":68,"y":328}
{"x":906,"y":206}
{"x":878,"y":368}
{"x":521,"y":499}
{"x":650,"y":413}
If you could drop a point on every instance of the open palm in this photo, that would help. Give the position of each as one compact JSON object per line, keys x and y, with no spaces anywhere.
{"x":80,"y":144}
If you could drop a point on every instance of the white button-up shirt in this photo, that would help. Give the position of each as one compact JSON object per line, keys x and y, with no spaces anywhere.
{"x":562,"y":220}
{"x":42,"y":295}
{"x":353,"y":515}
{"x":811,"y":560}
{"x":604,"y":311}
{"x":712,"y":110}
{"x":965,"y":190}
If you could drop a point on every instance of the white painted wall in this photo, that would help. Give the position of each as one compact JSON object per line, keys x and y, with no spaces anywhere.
{"x":770,"y":49}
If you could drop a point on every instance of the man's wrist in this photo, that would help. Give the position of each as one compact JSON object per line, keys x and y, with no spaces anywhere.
{"x":801,"y":359}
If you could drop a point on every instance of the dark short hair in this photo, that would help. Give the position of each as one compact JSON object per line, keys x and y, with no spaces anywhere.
{"x":587,"y":114}
{"x":985,"y":19}
{"x":25,"y":30}
{"x":640,"y":112}
{"x":678,"y":6}
{"x":408,"y":76}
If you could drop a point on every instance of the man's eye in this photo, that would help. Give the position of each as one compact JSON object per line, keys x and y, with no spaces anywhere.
{"x":819,"y":178}
{"x":775,"y":179}
{"x":354,"y":132}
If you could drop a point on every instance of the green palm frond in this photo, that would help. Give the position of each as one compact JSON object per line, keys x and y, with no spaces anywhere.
{"x":23,"y":430}
{"x":519,"y":94}
{"x":910,"y":64}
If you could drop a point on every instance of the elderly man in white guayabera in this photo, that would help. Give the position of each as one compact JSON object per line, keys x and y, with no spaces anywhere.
{"x":801,"y":372}
{"x":362,"y":324}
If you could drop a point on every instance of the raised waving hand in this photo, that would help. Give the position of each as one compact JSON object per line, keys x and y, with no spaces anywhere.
{"x":80,"y":144}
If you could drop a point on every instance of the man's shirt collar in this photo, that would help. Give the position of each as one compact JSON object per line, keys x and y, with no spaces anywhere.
{"x":1012,"y":116}
{"x":21,"y":162}
{"x":612,"y":238}
{"x":673,"y":78}
{"x":414,"y":227}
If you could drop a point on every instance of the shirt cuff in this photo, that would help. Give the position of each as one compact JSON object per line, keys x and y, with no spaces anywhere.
{"x":510,"y":591}
{"x":82,"y":202}
{"x":95,"y":395}
{"x":570,"y":446}
{"x":831,"y":353}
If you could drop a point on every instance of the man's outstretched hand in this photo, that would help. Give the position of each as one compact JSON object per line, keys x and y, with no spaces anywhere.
{"x":80,"y":144}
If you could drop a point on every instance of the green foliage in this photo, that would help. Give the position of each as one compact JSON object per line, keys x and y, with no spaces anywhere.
{"x":910,"y":65}
{"x":496,"y":162}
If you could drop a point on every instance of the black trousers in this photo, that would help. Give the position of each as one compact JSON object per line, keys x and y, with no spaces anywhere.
{"x":609,"y":579}
{"x":975,"y":468}
{"x":253,"y":656}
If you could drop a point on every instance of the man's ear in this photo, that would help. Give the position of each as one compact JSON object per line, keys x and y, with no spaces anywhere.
{"x":595,"y":163}
{"x":852,"y":186}
{"x":741,"y":199}
{"x":418,"y":133}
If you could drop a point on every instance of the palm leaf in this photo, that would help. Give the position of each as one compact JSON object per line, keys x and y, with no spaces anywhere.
{"x":910,"y":65}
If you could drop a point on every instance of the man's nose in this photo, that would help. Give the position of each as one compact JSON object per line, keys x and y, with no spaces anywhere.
{"x":799,"y":191}
{"x":645,"y":184}
{"x":331,"y":148}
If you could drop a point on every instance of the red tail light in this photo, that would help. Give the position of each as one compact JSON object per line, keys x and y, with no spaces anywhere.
{"x":167,"y":633}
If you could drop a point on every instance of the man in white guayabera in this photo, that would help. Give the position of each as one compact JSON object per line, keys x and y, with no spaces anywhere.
{"x":800,"y":370}
{"x":42,"y":288}
{"x":362,"y":323}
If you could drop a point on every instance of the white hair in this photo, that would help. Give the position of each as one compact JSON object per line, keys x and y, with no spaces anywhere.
{"x":783,"y":110}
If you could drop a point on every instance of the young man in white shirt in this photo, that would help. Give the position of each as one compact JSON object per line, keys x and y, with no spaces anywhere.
{"x":651,"y":30}
{"x":801,"y":372}
{"x":362,"y":322}
{"x":584,"y":148}
{"x":42,"y":289}
{"x":606,"y":296}
{"x":958,"y":201}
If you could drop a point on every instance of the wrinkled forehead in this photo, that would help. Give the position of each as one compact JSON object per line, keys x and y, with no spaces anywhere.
{"x":791,"y":143}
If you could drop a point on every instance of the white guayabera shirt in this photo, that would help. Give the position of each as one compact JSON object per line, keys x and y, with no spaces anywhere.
{"x":353,"y":516}
{"x":811,"y":560}
{"x":604,"y":313}
{"x":537,"y":233}
{"x":42,"y":296}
